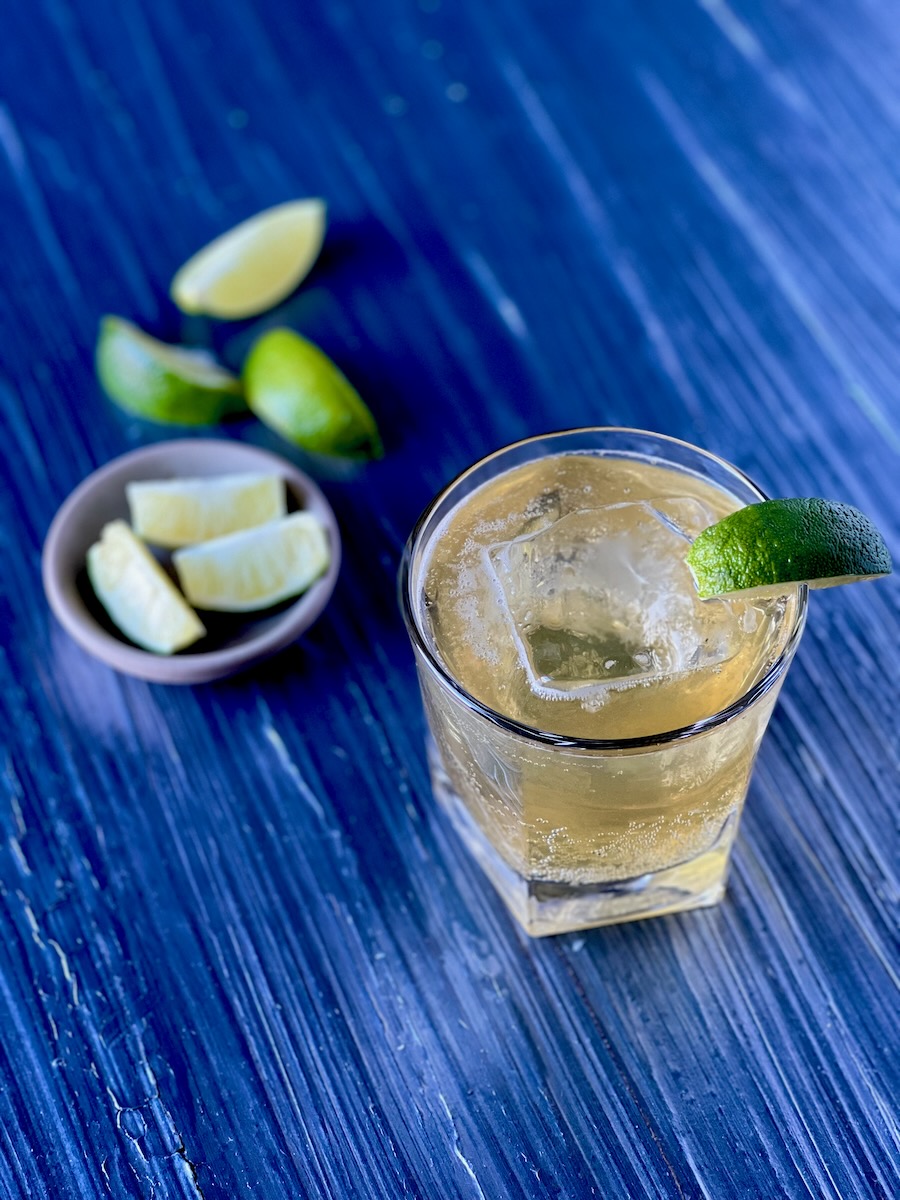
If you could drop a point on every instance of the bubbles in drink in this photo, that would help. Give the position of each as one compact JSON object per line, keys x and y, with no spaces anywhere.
{"x":559,"y":595}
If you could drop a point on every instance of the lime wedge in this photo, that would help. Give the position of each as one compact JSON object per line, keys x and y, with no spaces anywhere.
{"x":256,"y":568}
{"x":138,"y":595}
{"x":295,"y":388}
{"x":761,"y":548}
{"x":254,"y":265}
{"x":180,"y":512}
{"x":160,"y":382}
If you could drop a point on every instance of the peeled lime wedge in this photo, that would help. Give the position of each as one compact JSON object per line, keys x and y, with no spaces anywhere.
{"x":763,"y":547}
{"x":180,"y":512}
{"x":256,"y":568}
{"x":254,"y":265}
{"x":160,"y":382}
{"x":295,"y":388}
{"x":138,"y":595}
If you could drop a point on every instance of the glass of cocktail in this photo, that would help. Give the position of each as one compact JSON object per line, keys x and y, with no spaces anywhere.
{"x":592,"y":723}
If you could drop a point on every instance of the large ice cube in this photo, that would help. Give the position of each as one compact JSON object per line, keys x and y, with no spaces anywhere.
{"x":605,"y":594}
{"x":686,"y":514}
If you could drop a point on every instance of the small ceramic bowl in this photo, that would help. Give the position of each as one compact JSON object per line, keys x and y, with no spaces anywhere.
{"x":234,"y":641}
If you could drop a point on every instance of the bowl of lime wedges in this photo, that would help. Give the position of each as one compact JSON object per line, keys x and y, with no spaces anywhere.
{"x":190,"y":560}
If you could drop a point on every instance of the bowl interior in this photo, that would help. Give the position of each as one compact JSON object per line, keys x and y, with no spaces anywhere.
{"x":233,"y":640}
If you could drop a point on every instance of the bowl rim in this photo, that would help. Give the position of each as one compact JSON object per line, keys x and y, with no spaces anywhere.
{"x":202,"y":666}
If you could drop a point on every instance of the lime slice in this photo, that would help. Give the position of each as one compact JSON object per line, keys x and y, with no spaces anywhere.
{"x":760,"y":548}
{"x":255,"y":568}
{"x":255,"y":265}
{"x":295,"y":388}
{"x":160,"y":382}
{"x":180,"y":512}
{"x":138,"y":595}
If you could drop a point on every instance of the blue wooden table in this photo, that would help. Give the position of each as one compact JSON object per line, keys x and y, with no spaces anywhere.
{"x":241,"y":953}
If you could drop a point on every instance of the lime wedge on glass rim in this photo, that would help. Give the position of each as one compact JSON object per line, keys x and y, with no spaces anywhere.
{"x":295,"y":389}
{"x":255,"y":265}
{"x":760,"y":549}
{"x":160,"y":382}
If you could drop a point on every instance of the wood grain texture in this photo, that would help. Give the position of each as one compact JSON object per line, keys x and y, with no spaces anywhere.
{"x":242,"y":955}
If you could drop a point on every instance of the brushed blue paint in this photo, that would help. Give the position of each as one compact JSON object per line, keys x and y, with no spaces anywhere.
{"x":242,"y":955}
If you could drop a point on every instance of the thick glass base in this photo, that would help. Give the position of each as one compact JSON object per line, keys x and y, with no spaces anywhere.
{"x":543,"y":907}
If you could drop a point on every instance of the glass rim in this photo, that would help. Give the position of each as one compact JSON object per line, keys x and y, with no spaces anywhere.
{"x":531,"y":732}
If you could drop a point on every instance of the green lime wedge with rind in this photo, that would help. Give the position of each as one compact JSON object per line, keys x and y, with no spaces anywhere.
{"x":255,"y":265}
{"x":760,"y":549}
{"x":295,"y":389}
{"x":173,"y":385}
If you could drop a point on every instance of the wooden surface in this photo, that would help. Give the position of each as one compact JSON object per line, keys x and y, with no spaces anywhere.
{"x":242,"y":955}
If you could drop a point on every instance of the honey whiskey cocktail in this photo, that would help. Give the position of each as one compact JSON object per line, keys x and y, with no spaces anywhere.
{"x":593,"y":722}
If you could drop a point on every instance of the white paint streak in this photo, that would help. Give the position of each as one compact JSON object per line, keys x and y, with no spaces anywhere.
{"x":66,"y":970}
{"x":19,"y":855}
{"x":750,"y":48}
{"x":32,"y":921}
{"x":505,"y":306}
{"x":15,"y":801}
{"x":734,"y":29}
{"x":273,"y":737}
{"x":456,"y":1148}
